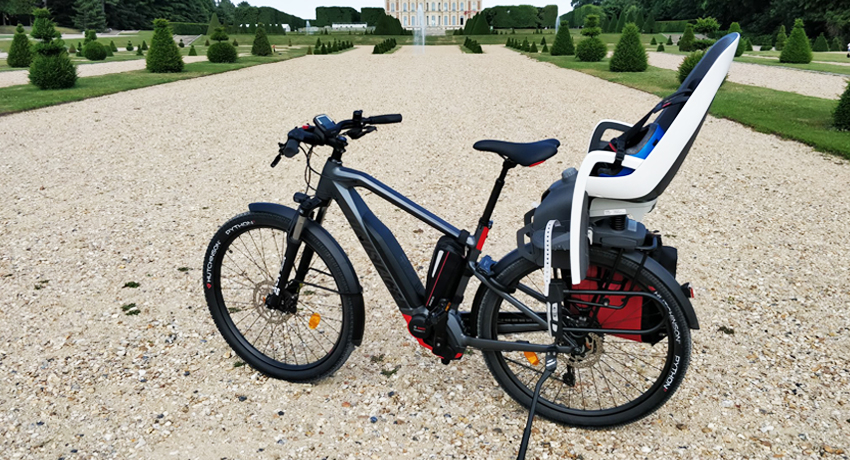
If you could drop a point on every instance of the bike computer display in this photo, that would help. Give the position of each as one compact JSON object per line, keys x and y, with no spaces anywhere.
{"x":324,"y":122}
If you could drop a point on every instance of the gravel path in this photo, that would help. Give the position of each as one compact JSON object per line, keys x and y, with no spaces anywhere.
{"x":759,"y":223}
{"x":782,"y":79}
{"x":813,"y":62}
{"x":21,"y":77}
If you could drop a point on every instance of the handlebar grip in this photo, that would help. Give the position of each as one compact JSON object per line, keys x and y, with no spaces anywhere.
{"x":383,"y":119}
{"x":291,"y":148}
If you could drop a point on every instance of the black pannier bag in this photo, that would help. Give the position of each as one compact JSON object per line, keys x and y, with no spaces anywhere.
{"x":444,"y":274}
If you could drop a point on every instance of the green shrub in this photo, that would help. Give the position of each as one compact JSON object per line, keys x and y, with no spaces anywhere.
{"x":543,"y":42}
{"x":545,"y":49}
{"x":797,"y":49}
{"x":72,"y":50}
{"x":325,"y":49}
{"x":533,"y":47}
{"x":112,"y":46}
{"x":235,"y":43}
{"x":214,"y":24}
{"x":20,"y":53}
{"x":686,"y":43}
{"x":781,"y":38}
{"x":703,"y":44}
{"x":139,"y":51}
{"x":660,"y":48}
{"x":51,"y":67}
{"x":765,"y":48}
{"x":309,"y":50}
{"x":192,"y":51}
{"x":591,"y":49}
{"x":79,"y":52}
{"x":820,"y":44}
{"x":653,"y":42}
{"x":688,"y":64}
{"x":836,"y":45}
{"x":94,"y":51}
{"x":221,"y":52}
{"x":748,"y":46}
{"x":144,"y":45}
{"x":563,"y":45}
{"x":669,"y":40}
{"x":89,"y":37}
{"x":735,"y":27}
{"x":164,"y":55}
{"x":261,"y":46}
{"x":109,"y":52}
{"x":707,"y":26}
{"x":207,"y":43}
{"x":130,"y":46}
{"x":629,"y":54}
{"x":181,"y":45}
{"x":841,"y":116}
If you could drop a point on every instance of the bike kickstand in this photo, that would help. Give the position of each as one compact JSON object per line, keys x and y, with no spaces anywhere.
{"x":551,"y":365}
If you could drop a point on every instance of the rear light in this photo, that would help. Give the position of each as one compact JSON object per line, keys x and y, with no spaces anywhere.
{"x":688,"y":290}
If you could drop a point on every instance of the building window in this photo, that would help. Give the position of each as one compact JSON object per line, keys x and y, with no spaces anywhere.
{"x":405,"y":21}
{"x":461,"y":8}
{"x":392,"y":7}
{"x":445,"y":20}
{"x":445,"y":6}
{"x":433,"y":7}
{"x":454,"y":6}
{"x":404,"y":7}
{"x":461,"y":20}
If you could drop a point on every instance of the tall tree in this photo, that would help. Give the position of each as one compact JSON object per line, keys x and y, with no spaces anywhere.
{"x":226,"y":11}
{"x":90,"y":15}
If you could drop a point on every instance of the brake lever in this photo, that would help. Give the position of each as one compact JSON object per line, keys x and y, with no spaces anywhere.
{"x":360,"y":132}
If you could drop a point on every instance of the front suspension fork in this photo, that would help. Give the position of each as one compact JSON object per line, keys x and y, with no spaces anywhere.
{"x":293,"y":244}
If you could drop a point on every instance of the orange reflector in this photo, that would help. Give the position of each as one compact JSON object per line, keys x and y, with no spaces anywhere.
{"x":531,"y":357}
{"x":314,"y":320}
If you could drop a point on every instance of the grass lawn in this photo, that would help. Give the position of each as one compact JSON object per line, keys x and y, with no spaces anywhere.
{"x":788,"y":115}
{"x":27,"y":97}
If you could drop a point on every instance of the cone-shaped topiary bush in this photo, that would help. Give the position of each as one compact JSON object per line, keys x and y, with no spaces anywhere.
{"x":324,"y":49}
{"x":686,"y":43}
{"x":629,"y":55}
{"x":139,"y":51}
{"x":261,"y":45}
{"x":214,"y":24}
{"x":543,"y":42}
{"x":192,"y":51}
{"x":20,"y":54}
{"x":144,"y":45}
{"x":164,"y":55}
{"x":235,"y":43}
{"x":207,"y":43}
{"x":72,"y":50}
{"x":563,"y":45}
{"x":112,"y":46}
{"x":797,"y":49}
{"x":820,"y":44}
{"x":735,"y":27}
{"x":108,"y":50}
{"x":309,"y":50}
{"x":841,"y":116}
{"x":533,"y":47}
{"x":669,"y":40}
{"x":660,"y":48}
{"x":688,"y":64}
{"x":653,"y":42}
{"x":748,"y":45}
{"x":130,"y":46}
{"x":591,"y":49}
{"x":222,"y":51}
{"x":835,"y":45}
{"x":51,"y":66}
{"x":781,"y":38}
{"x":545,"y":49}
{"x":94,"y":51}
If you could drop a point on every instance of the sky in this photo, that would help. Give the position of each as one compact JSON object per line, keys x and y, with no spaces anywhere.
{"x":307,"y":10}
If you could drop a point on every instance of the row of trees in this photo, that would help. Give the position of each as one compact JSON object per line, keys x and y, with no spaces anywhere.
{"x":763,"y":17}
{"x":520,"y":16}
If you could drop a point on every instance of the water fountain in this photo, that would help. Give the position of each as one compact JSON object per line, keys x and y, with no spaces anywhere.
{"x":308,"y":28}
{"x":557,"y":24}
{"x":419,"y":31}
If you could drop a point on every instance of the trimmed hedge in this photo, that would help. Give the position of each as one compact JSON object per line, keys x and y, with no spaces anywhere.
{"x":261,"y":46}
{"x":381,"y":48}
{"x":820,"y":43}
{"x":703,"y":44}
{"x":563,"y":45}
{"x":112,"y":46}
{"x":660,"y":48}
{"x":781,"y":38}
{"x":841,"y":116}
{"x":130,"y":46}
{"x":591,"y":49}
{"x":164,"y":55}
{"x":192,"y":51}
{"x":797,"y":49}
{"x":20,"y":53}
{"x":688,"y":65}
{"x":473,"y":46}
{"x":189,"y":28}
{"x":669,"y":40}
{"x":735,"y":27}
{"x":222,"y":52}
{"x":51,"y":66}
{"x":670,"y":26}
{"x":686,"y":43}
{"x":653,"y":42}
{"x":629,"y":54}
{"x":94,"y":51}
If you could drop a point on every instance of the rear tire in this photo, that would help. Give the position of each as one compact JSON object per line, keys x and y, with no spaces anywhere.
{"x":620,"y":381}
{"x":240,"y":267}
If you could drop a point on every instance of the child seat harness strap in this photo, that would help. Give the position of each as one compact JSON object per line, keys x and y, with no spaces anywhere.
{"x":620,"y":143}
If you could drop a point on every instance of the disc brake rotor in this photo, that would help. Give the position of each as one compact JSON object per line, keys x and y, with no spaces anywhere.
{"x":590,"y":355}
{"x":261,"y":290}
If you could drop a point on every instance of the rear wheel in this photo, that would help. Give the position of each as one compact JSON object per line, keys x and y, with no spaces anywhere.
{"x":613,"y":379}
{"x":311,"y":335}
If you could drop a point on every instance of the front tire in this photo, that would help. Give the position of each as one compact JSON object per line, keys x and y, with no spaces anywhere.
{"x":620,"y":378}
{"x":309,"y":341}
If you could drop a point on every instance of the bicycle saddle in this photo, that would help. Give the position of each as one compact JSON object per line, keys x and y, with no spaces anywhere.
{"x":523,"y":154}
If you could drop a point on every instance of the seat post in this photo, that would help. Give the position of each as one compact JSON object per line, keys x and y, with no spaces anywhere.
{"x":484,"y":222}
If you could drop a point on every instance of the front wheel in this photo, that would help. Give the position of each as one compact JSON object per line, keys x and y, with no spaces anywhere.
{"x":311,"y":335}
{"x":612,"y":379}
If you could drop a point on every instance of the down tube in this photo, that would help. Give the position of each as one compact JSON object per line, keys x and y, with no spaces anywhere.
{"x":383,"y":249}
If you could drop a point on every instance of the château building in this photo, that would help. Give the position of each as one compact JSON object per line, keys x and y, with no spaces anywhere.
{"x":443,"y":14}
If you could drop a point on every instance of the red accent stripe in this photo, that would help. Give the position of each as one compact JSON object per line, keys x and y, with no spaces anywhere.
{"x":431,"y":294}
{"x":538,"y":163}
{"x":483,"y":237}
{"x":611,"y":146}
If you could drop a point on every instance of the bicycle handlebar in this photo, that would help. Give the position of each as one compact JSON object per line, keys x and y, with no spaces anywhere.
{"x":382,"y":119}
{"x":327,"y":135}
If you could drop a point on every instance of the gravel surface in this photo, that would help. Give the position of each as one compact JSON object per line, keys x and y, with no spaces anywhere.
{"x":783,"y":79}
{"x":813,"y":62}
{"x":21,"y":77}
{"x":759,"y":223}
